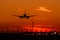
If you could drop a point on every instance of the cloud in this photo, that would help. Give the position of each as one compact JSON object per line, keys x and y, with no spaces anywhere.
{"x":43,"y":9}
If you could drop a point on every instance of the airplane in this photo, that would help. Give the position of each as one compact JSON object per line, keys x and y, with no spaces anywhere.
{"x":24,"y":15}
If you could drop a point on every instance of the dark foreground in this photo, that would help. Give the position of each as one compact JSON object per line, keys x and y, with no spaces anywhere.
{"x":29,"y":36}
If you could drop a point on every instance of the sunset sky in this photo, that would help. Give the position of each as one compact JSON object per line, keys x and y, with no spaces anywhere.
{"x":47,"y":11}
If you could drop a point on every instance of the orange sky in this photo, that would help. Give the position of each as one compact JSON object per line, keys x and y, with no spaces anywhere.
{"x":10,"y":7}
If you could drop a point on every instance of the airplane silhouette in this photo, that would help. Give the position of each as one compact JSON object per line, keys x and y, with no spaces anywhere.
{"x":24,"y":15}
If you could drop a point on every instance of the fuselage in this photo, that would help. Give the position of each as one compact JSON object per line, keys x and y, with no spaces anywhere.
{"x":24,"y":16}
